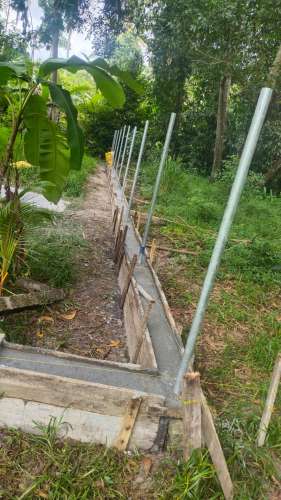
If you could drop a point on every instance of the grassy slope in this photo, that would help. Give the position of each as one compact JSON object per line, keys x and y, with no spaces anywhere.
{"x":241,"y":335}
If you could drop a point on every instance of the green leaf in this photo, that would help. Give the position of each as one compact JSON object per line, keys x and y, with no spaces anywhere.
{"x":109,"y":86}
{"x":124,"y":76}
{"x":9,"y":70}
{"x":62,"y":98}
{"x":44,"y":145}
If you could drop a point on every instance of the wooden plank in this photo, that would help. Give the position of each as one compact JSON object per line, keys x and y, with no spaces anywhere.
{"x":213,"y":444}
{"x":270,"y":400}
{"x":152,"y":253}
{"x":67,"y":392}
{"x":191,"y":401}
{"x":128,"y":280}
{"x":128,"y":423}
{"x":143,"y":331}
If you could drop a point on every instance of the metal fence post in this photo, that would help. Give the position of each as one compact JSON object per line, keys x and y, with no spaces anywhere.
{"x":124,"y":152}
{"x":157,"y":184}
{"x":230,"y":211}
{"x":117,"y":146}
{"x":129,"y":160}
{"x":121,"y":147}
{"x":137,"y":169}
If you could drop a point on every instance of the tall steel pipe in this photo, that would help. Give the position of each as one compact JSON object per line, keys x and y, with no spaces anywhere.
{"x":230,"y":211}
{"x":129,"y":160}
{"x":137,"y":169}
{"x":124,"y":152}
{"x":157,"y":185}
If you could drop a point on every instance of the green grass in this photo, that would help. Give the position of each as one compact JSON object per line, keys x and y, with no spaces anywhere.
{"x":242,"y":331}
{"x":77,"y":178}
{"x":45,"y":466}
{"x":53,"y":251}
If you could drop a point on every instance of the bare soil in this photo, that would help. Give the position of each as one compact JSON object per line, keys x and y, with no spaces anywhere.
{"x":89,"y":322}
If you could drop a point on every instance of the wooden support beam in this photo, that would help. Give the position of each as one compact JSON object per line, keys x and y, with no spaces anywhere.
{"x":270,"y":400}
{"x":128,"y":280}
{"x":213,"y":444}
{"x":191,"y":400}
{"x":128,"y":423}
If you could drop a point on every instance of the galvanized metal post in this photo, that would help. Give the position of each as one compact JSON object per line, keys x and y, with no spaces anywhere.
{"x":230,"y":211}
{"x":117,"y":146}
{"x":113,"y":140}
{"x":121,"y":148}
{"x":157,"y":185}
{"x":129,"y":160}
{"x":124,"y":151}
{"x":137,"y":169}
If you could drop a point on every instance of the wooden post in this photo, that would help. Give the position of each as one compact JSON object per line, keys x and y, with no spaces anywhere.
{"x":117,"y":242}
{"x":152,"y":253}
{"x":191,"y":400}
{"x":213,"y":444}
{"x":120,"y":220}
{"x":121,"y":250}
{"x":128,"y":423}
{"x":270,"y":400}
{"x":115,"y":219}
{"x":138,"y":220}
{"x":128,"y":280}
{"x":135,"y":217}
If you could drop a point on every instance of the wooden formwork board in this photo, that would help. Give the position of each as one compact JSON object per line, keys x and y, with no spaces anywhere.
{"x":96,"y":410}
{"x":133,"y":319}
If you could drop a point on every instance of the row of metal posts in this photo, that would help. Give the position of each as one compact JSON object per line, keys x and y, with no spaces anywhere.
{"x":119,"y":146}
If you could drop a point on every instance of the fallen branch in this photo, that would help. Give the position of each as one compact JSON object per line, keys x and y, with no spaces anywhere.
{"x":182,"y":251}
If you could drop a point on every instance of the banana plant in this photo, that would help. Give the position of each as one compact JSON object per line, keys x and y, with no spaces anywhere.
{"x":46,"y":145}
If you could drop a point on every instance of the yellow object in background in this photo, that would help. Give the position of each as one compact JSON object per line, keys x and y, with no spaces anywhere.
{"x":108,"y":158}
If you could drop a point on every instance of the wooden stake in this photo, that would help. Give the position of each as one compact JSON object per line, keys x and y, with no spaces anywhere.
{"x":121,"y":249}
{"x":191,"y":399}
{"x":120,"y":220}
{"x":128,"y":280}
{"x":152,"y":253}
{"x":138,"y":221}
{"x":213,"y":444}
{"x":128,"y":423}
{"x":115,"y":215}
{"x":270,"y":400}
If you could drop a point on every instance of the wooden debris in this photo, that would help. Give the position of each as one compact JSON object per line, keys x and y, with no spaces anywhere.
{"x":143,"y":330}
{"x":32,"y":299}
{"x":128,"y":280}
{"x":270,"y":400}
{"x":191,"y":400}
{"x":128,"y":423}
{"x":182,"y":251}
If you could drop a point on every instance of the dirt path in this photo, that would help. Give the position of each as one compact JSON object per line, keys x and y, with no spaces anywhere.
{"x":89,"y":323}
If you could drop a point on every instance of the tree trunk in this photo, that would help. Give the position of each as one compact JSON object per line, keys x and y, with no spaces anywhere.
{"x":221,"y":124}
{"x":68,"y":48}
{"x":55,"y":53}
